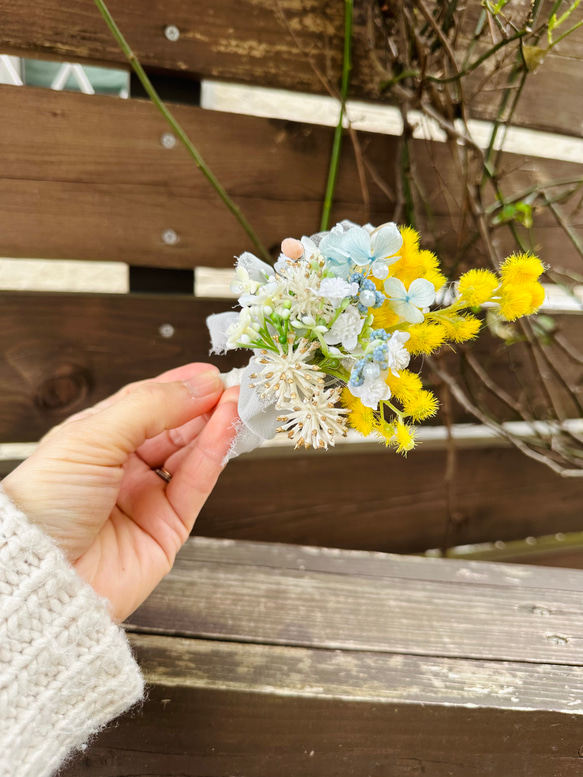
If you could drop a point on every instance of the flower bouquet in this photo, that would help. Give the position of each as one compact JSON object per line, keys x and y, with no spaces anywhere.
{"x":333,"y":326}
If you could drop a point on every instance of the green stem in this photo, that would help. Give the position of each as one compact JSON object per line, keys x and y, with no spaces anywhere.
{"x":335,"y":373}
{"x":324,"y":346}
{"x":480,"y":60}
{"x":337,"y":145}
{"x":565,"y":34}
{"x":180,"y":133}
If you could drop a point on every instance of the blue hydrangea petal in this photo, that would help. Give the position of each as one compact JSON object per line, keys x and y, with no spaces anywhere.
{"x":386,"y":242}
{"x":356,"y":243}
{"x":395,"y":289}
{"x":421,"y":293}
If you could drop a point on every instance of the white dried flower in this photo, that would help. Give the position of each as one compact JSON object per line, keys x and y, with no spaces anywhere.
{"x":300,"y":280}
{"x":372,"y":391}
{"x":242,"y":331}
{"x":398,"y":356}
{"x":242,"y":283}
{"x":288,"y":377}
{"x":346,"y":329}
{"x":265,"y":294}
{"x":335,"y":290}
{"x":315,"y":422}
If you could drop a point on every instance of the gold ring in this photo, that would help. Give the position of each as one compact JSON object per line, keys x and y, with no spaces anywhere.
{"x":163,"y":473}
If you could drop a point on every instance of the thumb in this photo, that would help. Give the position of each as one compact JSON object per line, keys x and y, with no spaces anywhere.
{"x":118,"y":430}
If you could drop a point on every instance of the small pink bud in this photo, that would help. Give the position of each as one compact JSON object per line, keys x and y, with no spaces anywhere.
{"x":292,"y":248}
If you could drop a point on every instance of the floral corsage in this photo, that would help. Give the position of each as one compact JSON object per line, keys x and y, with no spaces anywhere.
{"x":333,"y":326}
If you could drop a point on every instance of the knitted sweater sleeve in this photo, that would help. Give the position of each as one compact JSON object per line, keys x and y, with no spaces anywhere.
{"x":65,"y":668}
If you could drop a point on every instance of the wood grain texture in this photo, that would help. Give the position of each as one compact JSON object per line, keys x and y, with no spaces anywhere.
{"x":212,"y":733}
{"x":380,"y":501}
{"x":361,"y":563}
{"x":250,"y":42}
{"x":307,"y":672}
{"x":62,"y":352}
{"x":73,"y":163}
{"x":84,"y":336}
{"x":501,"y":621}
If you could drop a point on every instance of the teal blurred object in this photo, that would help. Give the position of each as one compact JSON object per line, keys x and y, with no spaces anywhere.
{"x":103,"y":80}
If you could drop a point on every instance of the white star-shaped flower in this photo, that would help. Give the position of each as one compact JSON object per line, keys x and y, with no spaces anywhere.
{"x":372,"y":391}
{"x":346,"y":329}
{"x":398,"y":356}
{"x":335,"y":290}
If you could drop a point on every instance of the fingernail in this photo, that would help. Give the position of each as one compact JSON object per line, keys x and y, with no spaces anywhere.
{"x":204,"y":383}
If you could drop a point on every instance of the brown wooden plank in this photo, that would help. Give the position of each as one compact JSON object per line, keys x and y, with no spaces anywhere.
{"x":344,"y":501}
{"x":51,"y":367}
{"x":380,"y":501}
{"x":303,"y":672}
{"x":216,"y":708}
{"x":62,"y":352}
{"x":183,"y":731}
{"x":72,"y":163}
{"x":358,"y":563}
{"x":249,"y":41}
{"x":125,"y":223}
{"x":281,"y":606}
{"x":38,"y":344}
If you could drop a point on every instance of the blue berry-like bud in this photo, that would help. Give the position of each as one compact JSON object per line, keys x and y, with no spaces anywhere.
{"x":368,"y":285}
{"x":380,"y":298}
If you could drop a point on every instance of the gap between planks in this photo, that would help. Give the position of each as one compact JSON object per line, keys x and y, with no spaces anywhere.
{"x":65,"y":275}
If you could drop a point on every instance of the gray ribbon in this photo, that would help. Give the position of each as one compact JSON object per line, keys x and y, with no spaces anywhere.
{"x":258,"y":418}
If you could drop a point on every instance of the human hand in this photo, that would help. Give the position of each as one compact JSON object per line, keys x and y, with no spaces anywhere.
{"x":91,"y":483}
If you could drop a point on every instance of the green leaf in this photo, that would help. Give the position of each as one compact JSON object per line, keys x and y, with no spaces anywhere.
{"x":533,"y":57}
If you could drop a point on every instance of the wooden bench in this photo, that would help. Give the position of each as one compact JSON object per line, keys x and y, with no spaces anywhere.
{"x":268,"y":659}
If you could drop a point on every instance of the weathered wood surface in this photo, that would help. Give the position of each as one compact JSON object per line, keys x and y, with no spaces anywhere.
{"x":256,"y":711}
{"x":73,"y":163}
{"x":374,"y":500}
{"x":308,"y":559}
{"x":387,"y":612}
{"x":62,"y":352}
{"x":380,"y":501}
{"x":50,"y":367}
{"x":250,"y":41}
{"x":314,"y":677}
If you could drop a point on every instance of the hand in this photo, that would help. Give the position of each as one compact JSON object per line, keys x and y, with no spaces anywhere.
{"x":90,"y":484}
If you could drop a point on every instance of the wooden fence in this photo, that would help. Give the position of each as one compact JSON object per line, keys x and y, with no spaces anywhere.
{"x":90,"y":178}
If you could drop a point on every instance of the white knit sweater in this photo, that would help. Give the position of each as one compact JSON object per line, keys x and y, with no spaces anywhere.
{"x":65,"y":668}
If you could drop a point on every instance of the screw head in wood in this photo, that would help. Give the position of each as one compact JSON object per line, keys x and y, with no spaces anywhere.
{"x":172,"y":33}
{"x":168,"y":140}
{"x":166,"y":330}
{"x":170,"y":237}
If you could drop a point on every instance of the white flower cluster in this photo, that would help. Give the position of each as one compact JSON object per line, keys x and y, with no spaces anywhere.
{"x":308,"y":320}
